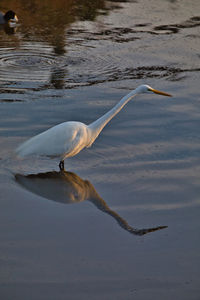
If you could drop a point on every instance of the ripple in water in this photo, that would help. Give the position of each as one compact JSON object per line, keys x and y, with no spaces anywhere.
{"x":26,"y":65}
{"x":27,"y":60}
{"x":40,"y":68}
{"x":36,"y":67}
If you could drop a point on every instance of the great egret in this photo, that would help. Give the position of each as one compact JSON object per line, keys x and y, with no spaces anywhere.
{"x":69,"y":138}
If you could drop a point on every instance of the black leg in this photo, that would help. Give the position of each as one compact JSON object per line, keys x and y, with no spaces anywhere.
{"x":62,"y":165}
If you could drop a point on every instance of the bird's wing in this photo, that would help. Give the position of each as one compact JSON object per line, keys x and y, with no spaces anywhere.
{"x":64,"y":140}
{"x":75,"y":139}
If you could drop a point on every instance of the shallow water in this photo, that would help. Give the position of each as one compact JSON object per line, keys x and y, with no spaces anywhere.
{"x":73,"y":61}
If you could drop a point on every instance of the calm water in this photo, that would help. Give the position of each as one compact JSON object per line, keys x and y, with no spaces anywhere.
{"x":73,"y":60}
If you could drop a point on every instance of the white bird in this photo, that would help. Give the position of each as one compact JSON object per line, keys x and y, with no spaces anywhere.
{"x":69,"y":138}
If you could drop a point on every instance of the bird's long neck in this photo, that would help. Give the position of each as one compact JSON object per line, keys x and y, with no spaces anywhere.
{"x":97,"y":126}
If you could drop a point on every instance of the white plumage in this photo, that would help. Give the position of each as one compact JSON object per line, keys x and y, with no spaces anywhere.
{"x":69,"y":138}
{"x":65,"y":139}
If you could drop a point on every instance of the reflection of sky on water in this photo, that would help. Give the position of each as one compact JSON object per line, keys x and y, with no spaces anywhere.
{"x":159,"y":207}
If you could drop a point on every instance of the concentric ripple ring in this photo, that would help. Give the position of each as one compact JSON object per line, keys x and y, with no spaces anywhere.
{"x":27,"y":65}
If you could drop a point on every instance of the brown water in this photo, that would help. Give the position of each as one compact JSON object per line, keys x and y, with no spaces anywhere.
{"x":73,"y":60}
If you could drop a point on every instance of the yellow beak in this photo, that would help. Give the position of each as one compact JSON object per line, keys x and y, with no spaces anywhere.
{"x":161,"y":93}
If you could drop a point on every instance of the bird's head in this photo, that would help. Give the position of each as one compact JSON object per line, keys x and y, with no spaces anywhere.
{"x":10,"y":16}
{"x":146,"y":89}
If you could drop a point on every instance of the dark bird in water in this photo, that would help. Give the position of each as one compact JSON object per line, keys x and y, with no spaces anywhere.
{"x":8,"y":16}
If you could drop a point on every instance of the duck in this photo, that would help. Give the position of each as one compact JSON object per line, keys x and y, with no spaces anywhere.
{"x":7,"y":17}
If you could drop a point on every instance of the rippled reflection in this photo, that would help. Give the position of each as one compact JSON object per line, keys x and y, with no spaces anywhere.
{"x":49,"y":19}
{"x":39,"y":51}
{"x":66,"y":187}
{"x":67,"y":44}
{"x":9,"y":29}
{"x":68,"y":36}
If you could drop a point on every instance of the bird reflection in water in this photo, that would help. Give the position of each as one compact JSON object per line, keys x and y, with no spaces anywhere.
{"x":67,"y":187}
{"x":9,"y":28}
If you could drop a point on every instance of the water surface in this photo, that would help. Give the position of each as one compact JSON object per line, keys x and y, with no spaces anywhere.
{"x":73,"y":60}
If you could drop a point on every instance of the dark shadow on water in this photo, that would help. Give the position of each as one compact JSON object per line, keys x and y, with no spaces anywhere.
{"x":175,"y":28}
{"x":57,"y":78}
{"x":67,"y":187}
{"x":9,"y":30}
